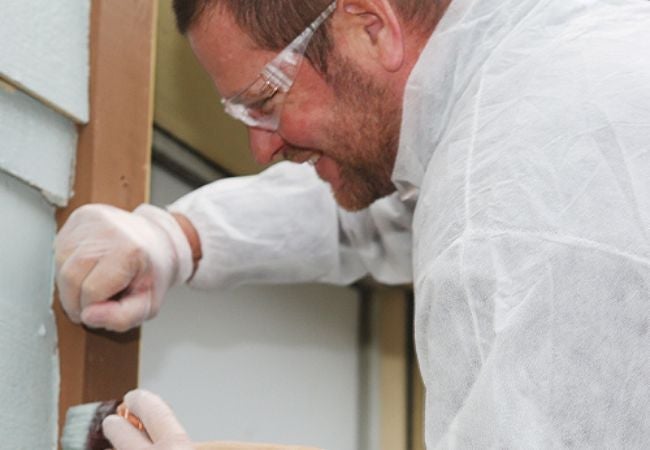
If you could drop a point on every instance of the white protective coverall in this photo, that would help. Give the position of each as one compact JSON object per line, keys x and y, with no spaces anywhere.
{"x":524,"y":177}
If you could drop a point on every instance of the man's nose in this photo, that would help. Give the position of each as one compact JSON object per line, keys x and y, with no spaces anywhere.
{"x":264,"y":144}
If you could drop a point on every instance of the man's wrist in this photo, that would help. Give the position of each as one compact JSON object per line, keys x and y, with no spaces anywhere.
{"x":192,"y":238}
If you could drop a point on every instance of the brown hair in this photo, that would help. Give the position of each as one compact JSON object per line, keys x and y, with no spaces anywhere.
{"x":273,"y":24}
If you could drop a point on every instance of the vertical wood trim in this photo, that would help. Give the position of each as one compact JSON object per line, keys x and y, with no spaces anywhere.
{"x":393,"y":368}
{"x":112,"y":167}
{"x":416,"y":391}
{"x":418,"y":409}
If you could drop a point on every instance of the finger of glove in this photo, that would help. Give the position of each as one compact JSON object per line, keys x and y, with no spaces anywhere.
{"x":112,"y":274}
{"x":156,"y":416}
{"x":119,"y":315}
{"x":123,"y":435}
{"x":87,"y":223}
{"x":70,"y":235}
{"x":69,"y":280}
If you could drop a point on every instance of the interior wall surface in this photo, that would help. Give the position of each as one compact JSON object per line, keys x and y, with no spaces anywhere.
{"x":43,"y":96}
{"x":274,"y":364}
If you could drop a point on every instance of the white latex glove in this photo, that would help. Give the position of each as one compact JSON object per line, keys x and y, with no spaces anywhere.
{"x":164,"y":431}
{"x":105,"y":254}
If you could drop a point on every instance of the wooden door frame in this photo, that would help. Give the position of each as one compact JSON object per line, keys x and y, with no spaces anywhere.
{"x":113,"y":167}
{"x":401,"y":392}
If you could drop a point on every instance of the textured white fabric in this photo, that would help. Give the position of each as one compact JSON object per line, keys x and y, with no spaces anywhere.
{"x":527,"y":132}
{"x":526,"y":143}
{"x":284,"y":226}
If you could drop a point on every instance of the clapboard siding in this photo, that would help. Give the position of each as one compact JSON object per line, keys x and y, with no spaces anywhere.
{"x":29,"y":376}
{"x":44,"y":58}
{"x":45,"y":51}
{"x":37,"y":145}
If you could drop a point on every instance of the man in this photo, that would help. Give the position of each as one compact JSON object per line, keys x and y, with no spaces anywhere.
{"x":505,"y":143}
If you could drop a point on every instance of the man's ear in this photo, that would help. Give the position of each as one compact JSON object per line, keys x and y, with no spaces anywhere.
{"x":373,"y":25}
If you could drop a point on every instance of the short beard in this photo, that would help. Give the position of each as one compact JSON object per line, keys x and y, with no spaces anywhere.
{"x":366,"y":150}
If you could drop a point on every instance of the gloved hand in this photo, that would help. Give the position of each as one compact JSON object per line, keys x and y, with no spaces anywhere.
{"x":105,"y":254}
{"x":165,"y":433}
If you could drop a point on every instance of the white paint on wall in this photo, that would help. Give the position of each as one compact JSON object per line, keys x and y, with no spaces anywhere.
{"x":37,"y":145}
{"x":259,"y":363}
{"x":45,"y":51}
{"x":29,"y":375}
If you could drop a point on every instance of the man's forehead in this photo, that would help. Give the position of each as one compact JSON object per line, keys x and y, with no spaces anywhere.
{"x":226,"y":51}
{"x":218,"y":27}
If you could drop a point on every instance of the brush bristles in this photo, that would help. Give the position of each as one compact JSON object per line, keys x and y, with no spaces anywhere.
{"x":82,"y":430}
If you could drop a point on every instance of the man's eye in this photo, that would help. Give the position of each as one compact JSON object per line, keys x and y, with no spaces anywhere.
{"x":264,"y":105}
{"x":259,"y":104}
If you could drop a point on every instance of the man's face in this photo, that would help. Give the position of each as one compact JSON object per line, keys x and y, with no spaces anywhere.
{"x":349,"y":121}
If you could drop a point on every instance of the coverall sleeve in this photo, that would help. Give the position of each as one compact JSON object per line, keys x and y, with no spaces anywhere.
{"x":284,"y":226}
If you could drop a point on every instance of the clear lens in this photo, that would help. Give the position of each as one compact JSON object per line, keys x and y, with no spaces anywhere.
{"x":253,"y":117}
{"x":260,"y":104}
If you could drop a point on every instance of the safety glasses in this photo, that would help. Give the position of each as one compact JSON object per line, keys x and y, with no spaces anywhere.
{"x":260,"y":104}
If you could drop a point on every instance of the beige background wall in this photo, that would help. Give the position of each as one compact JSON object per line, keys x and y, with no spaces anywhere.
{"x":188,"y":106}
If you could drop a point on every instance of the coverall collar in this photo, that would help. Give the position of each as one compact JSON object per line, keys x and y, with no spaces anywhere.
{"x":449,"y":62}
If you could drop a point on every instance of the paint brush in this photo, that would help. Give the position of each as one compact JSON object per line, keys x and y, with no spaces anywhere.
{"x":83,"y":430}
{"x":83,"y":425}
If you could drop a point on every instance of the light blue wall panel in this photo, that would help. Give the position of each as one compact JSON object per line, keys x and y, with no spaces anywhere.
{"x":45,"y":51}
{"x":37,"y":145}
{"x":29,"y":376}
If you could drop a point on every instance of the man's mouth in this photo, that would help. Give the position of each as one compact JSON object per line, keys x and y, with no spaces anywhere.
{"x":313,"y":160}
{"x":302,"y":156}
